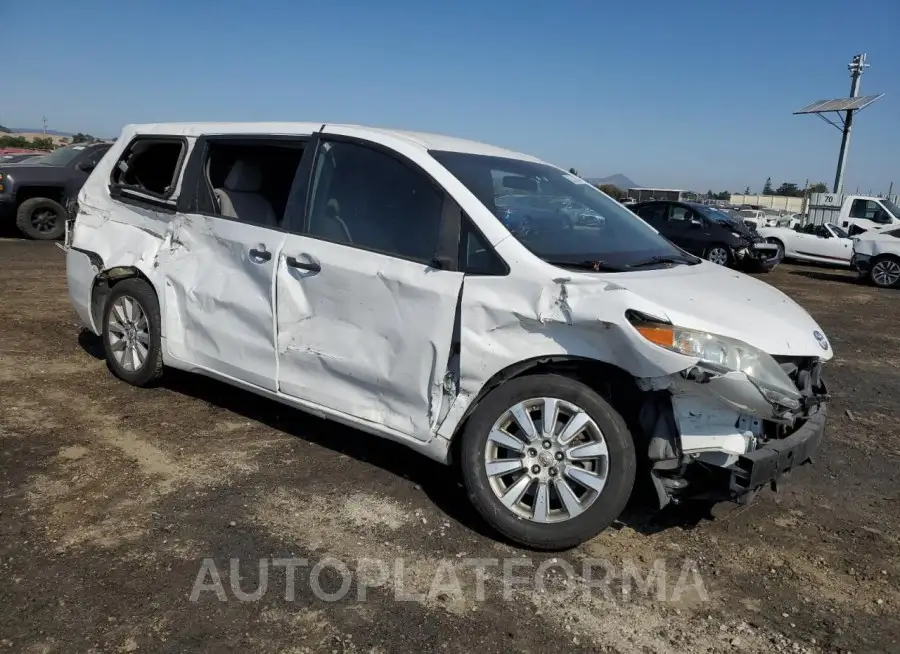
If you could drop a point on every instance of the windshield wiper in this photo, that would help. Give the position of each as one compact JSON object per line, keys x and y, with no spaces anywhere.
{"x":652,"y":261}
{"x":595,"y":266}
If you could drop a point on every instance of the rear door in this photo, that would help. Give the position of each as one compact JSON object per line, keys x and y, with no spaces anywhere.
{"x":365,"y":314}
{"x":220,"y":267}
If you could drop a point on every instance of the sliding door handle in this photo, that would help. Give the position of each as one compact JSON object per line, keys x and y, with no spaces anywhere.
{"x":310,"y":266}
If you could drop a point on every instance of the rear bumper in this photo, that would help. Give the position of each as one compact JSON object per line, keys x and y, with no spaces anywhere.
{"x":80,"y":275}
{"x":768,"y":463}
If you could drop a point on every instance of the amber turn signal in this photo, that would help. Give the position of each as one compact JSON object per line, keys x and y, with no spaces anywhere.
{"x":662,"y":335}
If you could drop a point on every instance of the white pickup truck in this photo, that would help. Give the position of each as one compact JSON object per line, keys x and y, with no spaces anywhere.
{"x":855,"y":213}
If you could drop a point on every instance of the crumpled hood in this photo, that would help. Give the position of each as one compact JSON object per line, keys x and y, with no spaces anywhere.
{"x":722,"y":301}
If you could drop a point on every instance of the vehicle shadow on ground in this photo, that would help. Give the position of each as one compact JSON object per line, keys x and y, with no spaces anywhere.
{"x":441,"y":484}
{"x":827,"y":276}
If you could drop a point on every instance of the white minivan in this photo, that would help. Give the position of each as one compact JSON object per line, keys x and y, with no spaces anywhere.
{"x":368,"y":276}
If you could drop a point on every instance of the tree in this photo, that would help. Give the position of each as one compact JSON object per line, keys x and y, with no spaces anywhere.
{"x":42,"y":143}
{"x":710,"y":195}
{"x":10,"y":141}
{"x":818,"y":187}
{"x":5,"y":130}
{"x":83,"y":138}
{"x":747,"y":191}
{"x":723,"y":195}
{"x":612,"y":191}
{"x":789,"y":189}
{"x":767,"y":187}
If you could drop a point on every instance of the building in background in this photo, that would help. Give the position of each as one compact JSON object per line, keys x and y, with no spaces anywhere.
{"x":642,"y":194}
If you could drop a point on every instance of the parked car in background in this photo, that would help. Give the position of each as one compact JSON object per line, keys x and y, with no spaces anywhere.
{"x":532,"y":212}
{"x":709,"y":233}
{"x":876,"y":256}
{"x":819,"y":243}
{"x":791,"y":221}
{"x":38,"y":192}
{"x":363,"y":275}
{"x":753,"y":218}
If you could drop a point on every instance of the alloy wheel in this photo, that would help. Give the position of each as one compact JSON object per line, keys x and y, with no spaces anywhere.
{"x":718,"y":255}
{"x":886,"y":272}
{"x":129,"y":333}
{"x":546,"y":460}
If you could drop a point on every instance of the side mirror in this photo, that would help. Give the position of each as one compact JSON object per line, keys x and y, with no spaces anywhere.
{"x":696,"y":222}
{"x":87,"y":166}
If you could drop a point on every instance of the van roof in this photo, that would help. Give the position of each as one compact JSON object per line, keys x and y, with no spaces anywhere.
{"x":424,"y":140}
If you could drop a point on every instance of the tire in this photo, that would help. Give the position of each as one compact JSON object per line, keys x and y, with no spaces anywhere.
{"x":723,"y":259}
{"x":131,"y":292}
{"x":885,"y":271}
{"x":562,"y":530}
{"x":42,"y":219}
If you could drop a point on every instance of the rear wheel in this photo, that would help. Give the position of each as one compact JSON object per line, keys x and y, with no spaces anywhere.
{"x":547,"y":462}
{"x":41,"y":218}
{"x":131,"y":333}
{"x":885,"y":272}
{"x":718,"y":254}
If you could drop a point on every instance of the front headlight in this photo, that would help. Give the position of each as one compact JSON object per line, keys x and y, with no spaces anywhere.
{"x":723,"y":354}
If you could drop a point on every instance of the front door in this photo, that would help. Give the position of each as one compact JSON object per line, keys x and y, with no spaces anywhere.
{"x":365,"y":318}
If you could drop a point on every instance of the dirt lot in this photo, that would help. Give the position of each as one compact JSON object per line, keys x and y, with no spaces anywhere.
{"x":112,"y":498}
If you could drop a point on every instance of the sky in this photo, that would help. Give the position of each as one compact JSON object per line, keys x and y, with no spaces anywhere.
{"x":695,"y":94}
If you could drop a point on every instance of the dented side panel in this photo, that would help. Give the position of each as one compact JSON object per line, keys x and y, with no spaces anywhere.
{"x":507,"y":320}
{"x":368,"y":334}
{"x":220,"y":297}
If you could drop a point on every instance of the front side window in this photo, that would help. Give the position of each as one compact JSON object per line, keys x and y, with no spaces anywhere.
{"x":529,"y":198}
{"x":366,"y":198}
{"x":679,"y":214}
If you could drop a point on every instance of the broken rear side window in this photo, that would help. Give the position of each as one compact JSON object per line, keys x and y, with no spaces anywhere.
{"x":150,"y":166}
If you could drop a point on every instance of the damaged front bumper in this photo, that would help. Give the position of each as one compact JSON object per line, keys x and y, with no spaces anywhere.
{"x":722,"y":437}
{"x":757,"y":255}
{"x":766,"y":464}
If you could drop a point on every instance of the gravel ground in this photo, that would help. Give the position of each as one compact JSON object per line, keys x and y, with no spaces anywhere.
{"x":120,"y":506}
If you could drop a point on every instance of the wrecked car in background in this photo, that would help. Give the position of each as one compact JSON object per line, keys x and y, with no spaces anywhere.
{"x":711,"y":234}
{"x":363,"y":275}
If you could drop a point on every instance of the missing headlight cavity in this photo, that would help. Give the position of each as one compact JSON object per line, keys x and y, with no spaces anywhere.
{"x":638,"y":318}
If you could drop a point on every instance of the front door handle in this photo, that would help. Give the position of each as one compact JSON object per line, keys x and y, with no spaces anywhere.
{"x":259,"y":256}
{"x":311,"y":266}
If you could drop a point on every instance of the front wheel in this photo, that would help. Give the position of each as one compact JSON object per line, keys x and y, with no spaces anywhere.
{"x":131,"y":333}
{"x":885,"y":272}
{"x":547,"y":462}
{"x":718,"y":254}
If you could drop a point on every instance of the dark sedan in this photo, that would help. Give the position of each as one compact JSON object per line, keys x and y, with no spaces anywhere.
{"x":528,"y":212}
{"x":709,"y":233}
